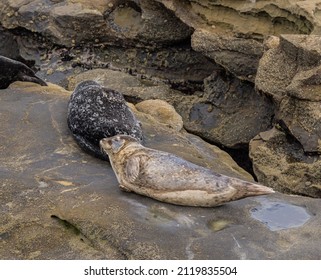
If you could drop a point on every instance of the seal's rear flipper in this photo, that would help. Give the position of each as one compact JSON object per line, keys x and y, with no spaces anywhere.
{"x":13,"y":70}
{"x":27,"y":75}
{"x":33,"y":79}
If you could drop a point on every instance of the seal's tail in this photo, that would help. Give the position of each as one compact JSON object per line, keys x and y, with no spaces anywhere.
{"x":245,"y":189}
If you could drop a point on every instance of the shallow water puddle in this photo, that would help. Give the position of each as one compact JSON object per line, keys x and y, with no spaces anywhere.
{"x":280,"y":215}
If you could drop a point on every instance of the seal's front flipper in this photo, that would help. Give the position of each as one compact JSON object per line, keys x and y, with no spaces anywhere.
{"x":124,"y":188}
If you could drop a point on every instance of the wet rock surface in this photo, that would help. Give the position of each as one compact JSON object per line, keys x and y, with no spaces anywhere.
{"x":52,"y":193}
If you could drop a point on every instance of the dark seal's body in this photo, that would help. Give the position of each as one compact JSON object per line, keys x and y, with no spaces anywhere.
{"x":169,"y":178}
{"x":12,"y":70}
{"x":95,"y":113}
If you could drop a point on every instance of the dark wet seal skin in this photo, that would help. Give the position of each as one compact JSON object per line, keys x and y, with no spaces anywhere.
{"x":12,"y":70}
{"x":169,"y":178}
{"x":95,"y":113}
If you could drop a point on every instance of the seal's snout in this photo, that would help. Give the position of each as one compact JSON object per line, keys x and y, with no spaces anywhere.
{"x":112,"y":144}
{"x":105,"y":144}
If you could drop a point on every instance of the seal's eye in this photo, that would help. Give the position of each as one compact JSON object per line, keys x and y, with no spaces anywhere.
{"x":116,"y":144}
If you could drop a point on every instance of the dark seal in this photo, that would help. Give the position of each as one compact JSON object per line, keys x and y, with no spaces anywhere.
{"x":95,"y":113}
{"x":12,"y":70}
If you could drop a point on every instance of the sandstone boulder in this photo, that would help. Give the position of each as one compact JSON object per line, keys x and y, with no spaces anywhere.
{"x":162,"y":111}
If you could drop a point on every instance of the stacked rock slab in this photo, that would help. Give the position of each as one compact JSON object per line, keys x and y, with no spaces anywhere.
{"x":70,"y":23}
{"x":281,"y":163}
{"x":291,"y":74}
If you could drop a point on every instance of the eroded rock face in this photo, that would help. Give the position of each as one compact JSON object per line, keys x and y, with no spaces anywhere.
{"x":303,"y":120}
{"x":291,"y":61}
{"x":71,"y":23}
{"x":231,"y":32}
{"x":290,"y":73}
{"x":254,"y":18}
{"x":181,"y":67}
{"x":280,"y":162}
{"x":238,"y":55}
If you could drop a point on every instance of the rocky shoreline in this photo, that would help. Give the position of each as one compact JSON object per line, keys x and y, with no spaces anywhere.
{"x":214,"y":76}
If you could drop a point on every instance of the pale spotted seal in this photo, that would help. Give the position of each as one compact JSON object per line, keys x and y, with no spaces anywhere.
{"x":12,"y":70}
{"x":166,"y":177}
{"x":95,"y":112}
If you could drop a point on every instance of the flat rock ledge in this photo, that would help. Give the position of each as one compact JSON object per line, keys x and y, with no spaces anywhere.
{"x":59,"y":203}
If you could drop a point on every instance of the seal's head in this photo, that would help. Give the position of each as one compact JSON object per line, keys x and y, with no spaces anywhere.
{"x":112,"y":145}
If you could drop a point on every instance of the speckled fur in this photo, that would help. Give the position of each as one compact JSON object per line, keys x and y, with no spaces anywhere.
{"x":12,"y":70}
{"x":95,"y":112}
{"x":169,"y":178}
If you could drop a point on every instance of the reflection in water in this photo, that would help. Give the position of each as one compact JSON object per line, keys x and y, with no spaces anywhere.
{"x":161,"y":215}
{"x":280,"y":215}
